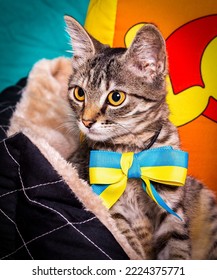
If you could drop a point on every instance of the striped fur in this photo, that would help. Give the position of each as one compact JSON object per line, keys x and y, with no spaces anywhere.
{"x":139,"y":122}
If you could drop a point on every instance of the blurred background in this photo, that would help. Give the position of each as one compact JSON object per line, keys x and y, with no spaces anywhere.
{"x":31,"y":30}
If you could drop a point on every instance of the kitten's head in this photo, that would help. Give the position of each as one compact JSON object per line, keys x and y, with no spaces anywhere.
{"x":115,"y":92}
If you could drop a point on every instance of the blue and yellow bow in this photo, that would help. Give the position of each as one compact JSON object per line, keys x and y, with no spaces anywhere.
{"x":109,"y":172}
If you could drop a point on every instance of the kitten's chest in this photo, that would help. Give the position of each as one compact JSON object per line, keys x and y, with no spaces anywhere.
{"x":134,"y":203}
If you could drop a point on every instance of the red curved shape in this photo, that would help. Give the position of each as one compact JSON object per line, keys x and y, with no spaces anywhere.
{"x":211,"y":109}
{"x":185,"y":48}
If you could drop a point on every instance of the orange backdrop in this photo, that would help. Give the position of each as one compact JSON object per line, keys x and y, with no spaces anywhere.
{"x":190,"y":30}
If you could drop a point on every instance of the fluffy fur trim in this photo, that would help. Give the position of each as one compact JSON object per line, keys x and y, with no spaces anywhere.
{"x":42,"y":115}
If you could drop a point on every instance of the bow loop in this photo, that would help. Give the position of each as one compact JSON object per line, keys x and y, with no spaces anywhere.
{"x":109,"y":172}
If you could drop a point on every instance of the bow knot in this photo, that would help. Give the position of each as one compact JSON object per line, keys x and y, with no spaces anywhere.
{"x":130,"y":165}
{"x":109,"y":172}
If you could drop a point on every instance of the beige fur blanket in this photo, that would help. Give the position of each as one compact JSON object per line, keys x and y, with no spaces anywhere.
{"x":42,"y":116}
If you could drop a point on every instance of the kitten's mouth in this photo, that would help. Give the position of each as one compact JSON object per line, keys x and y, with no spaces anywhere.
{"x":93,"y":133}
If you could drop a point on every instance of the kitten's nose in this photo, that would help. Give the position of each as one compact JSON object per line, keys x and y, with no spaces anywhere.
{"x":88,"y":123}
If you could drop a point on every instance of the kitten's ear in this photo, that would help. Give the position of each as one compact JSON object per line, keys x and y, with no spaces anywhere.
{"x":84,"y":46}
{"x":146,"y":56}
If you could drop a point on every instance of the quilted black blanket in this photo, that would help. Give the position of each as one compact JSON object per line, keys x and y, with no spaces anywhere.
{"x":40,"y":215}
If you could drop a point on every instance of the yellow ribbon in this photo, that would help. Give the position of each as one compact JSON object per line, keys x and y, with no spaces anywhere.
{"x":109,"y":172}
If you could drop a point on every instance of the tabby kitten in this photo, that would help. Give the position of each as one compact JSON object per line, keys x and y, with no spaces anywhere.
{"x":118,"y":98}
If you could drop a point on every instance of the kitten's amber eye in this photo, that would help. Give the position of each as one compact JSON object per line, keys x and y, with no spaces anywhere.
{"x":116,"y":98}
{"x":78,"y":93}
